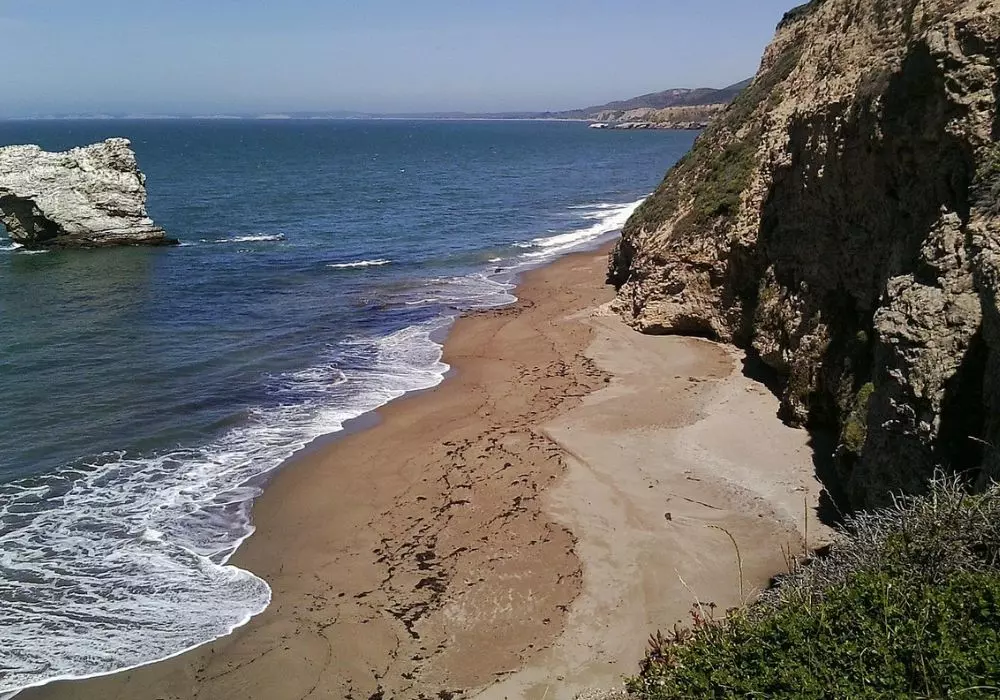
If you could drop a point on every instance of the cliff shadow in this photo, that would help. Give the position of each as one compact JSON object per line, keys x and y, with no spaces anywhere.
{"x":753,"y":367}
{"x":838,"y":224}
{"x":833,"y":503}
{"x":963,"y":412}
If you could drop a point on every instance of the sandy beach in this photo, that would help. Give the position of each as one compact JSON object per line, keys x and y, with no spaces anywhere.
{"x":518,"y":531}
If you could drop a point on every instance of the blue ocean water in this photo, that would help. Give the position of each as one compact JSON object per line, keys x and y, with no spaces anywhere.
{"x":147,"y":393}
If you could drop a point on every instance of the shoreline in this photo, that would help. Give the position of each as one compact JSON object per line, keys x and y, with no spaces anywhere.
{"x":442,"y":547}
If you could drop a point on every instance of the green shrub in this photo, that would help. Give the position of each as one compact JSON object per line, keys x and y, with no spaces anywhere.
{"x":877,"y":636}
{"x":854,"y":432}
{"x":718,"y":192}
{"x":906,"y":605}
{"x":713,"y":180}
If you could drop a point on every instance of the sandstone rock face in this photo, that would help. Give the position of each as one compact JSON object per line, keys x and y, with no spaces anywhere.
{"x":842,"y":219}
{"x":87,"y":197}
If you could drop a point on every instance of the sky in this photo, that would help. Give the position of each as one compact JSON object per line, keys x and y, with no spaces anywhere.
{"x":251,"y":56}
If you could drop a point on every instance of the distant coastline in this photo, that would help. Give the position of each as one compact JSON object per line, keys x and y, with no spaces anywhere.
{"x":694,"y":103}
{"x":284,"y":117}
{"x":611,"y":125}
{"x":289,"y":117}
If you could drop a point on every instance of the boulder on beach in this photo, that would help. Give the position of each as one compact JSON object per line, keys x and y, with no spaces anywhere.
{"x":87,"y":197}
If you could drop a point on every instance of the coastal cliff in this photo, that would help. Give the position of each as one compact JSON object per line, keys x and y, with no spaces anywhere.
{"x":841,"y":220}
{"x":82,"y":198}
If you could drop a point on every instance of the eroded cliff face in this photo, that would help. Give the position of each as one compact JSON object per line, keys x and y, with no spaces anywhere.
{"x":86,"y":197}
{"x":842,"y":220}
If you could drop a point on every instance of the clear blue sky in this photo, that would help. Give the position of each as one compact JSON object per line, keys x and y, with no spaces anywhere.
{"x":369,"y":55}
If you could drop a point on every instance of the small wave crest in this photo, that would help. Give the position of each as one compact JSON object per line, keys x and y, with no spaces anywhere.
{"x":360,"y":263}
{"x":256,"y":238}
{"x":21,"y":250}
{"x":598,"y":207}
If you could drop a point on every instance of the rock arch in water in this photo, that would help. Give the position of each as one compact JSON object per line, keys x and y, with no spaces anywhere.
{"x":86,"y":197}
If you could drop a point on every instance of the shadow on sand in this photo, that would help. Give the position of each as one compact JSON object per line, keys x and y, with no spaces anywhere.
{"x":823,"y":442}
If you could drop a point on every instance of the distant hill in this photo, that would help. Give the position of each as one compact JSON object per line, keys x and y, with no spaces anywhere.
{"x":677,"y":97}
{"x":656,"y":107}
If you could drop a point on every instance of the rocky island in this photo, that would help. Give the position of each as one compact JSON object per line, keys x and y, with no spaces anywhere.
{"x":82,"y":198}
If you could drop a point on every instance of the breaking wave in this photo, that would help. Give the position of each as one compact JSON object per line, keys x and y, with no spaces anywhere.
{"x":257,"y":238}
{"x":606,"y":218}
{"x":360,"y":263}
{"x":121,"y":561}
{"x":143,"y":542}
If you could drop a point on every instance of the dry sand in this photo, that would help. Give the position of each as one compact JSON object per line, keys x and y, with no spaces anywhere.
{"x":679,"y":452}
{"x":516,"y":532}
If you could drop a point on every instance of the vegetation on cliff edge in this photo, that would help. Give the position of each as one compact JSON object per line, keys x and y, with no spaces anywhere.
{"x":714,"y":173}
{"x":905,"y":605}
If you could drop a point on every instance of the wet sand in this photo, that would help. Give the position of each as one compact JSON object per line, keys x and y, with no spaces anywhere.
{"x":516,"y":532}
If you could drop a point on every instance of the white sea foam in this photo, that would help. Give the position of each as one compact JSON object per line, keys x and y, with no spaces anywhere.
{"x":489,"y":288}
{"x":122,"y":561}
{"x":360,"y":263}
{"x":11,"y":246}
{"x":598,"y":206}
{"x":607,"y":218}
{"x":143,"y":542}
{"x":475,"y":291}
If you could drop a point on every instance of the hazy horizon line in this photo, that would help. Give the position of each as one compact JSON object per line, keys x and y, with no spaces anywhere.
{"x":340,"y":113}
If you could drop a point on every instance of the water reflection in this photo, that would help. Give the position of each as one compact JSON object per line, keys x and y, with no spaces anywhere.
{"x":69,"y":326}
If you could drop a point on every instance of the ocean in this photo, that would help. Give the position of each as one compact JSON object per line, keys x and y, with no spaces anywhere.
{"x":148,"y":393}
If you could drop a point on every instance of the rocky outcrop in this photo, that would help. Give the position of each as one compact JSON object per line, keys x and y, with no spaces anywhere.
{"x":86,"y":197}
{"x":842,"y":219}
{"x":643,"y":126}
{"x":686,"y":117}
